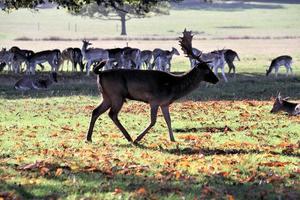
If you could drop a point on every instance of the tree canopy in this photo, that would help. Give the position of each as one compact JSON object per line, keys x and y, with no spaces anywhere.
{"x":140,"y":6}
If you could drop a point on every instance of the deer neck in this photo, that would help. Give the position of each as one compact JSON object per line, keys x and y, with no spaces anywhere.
{"x":187,"y":83}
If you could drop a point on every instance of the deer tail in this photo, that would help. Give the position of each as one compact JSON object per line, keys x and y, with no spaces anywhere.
{"x":98,"y":67}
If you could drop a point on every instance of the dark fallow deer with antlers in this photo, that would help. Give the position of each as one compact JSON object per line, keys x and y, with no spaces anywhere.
{"x":281,"y":104}
{"x":157,"y":88}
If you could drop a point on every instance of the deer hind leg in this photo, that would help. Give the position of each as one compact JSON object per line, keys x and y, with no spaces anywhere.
{"x":289,"y":69}
{"x":113,"y":114}
{"x":154,"y":109}
{"x":231,"y":67}
{"x":166,"y":113}
{"x":104,"y":106}
{"x":223,"y":74}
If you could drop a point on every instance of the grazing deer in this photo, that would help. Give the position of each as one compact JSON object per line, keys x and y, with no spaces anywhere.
{"x":53,"y":57}
{"x":30,"y":83}
{"x":131,"y":58}
{"x":146,"y":56}
{"x":115,"y":58}
{"x":166,"y":56}
{"x":92,"y":55}
{"x":281,"y":61}
{"x":20,"y":56}
{"x":215,"y":60}
{"x":283,"y":105}
{"x":74,"y":56}
{"x":159,"y":89}
{"x":7,"y":58}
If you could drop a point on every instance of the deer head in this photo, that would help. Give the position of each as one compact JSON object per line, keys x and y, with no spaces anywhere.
{"x":186,"y":46}
{"x":277,"y":104}
{"x":86,"y":43}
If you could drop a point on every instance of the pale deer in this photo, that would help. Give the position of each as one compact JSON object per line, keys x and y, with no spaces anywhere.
{"x":74,"y":56}
{"x":92,"y":55}
{"x":7,"y":58}
{"x":146,"y":57}
{"x":215,"y":60}
{"x":281,"y":104}
{"x":35,"y":83}
{"x":53,"y":57}
{"x":159,"y":89}
{"x":281,"y":61}
{"x":165,"y":58}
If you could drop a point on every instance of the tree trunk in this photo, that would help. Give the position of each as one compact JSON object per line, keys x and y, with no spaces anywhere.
{"x":123,"y":23}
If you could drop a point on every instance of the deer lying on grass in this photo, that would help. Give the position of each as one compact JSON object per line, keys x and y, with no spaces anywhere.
{"x":159,"y":89}
{"x":281,"y":61}
{"x":92,"y":55}
{"x":30,"y":83}
{"x":283,"y":105}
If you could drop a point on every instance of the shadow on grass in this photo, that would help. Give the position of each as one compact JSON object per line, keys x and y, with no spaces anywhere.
{"x":208,"y":152}
{"x":250,"y":86}
{"x":166,"y":184}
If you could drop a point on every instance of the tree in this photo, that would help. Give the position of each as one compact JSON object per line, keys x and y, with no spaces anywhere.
{"x":121,"y":13}
{"x":140,"y":6}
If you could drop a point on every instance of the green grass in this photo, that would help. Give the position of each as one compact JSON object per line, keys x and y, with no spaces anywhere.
{"x":259,"y":154}
{"x":231,"y":20}
{"x":256,"y":156}
{"x":229,"y":145}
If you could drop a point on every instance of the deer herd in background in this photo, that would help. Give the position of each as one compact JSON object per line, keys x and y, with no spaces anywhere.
{"x":126,"y":58}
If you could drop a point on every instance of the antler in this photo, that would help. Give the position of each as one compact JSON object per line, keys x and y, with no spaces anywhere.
{"x":186,"y":45}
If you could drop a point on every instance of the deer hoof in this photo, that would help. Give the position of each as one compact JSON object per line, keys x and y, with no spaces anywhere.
{"x":88,"y":141}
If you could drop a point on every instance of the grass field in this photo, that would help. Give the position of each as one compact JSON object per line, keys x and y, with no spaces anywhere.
{"x":210,"y":21}
{"x":229,"y":145}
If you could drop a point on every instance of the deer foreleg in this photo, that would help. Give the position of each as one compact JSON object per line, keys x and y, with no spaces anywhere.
{"x":113,"y":114}
{"x":166,"y":113}
{"x":88,"y":65}
{"x":152,"y":123}
{"x":104,"y":106}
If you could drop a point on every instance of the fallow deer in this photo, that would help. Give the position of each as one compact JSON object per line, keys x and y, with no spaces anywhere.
{"x":281,"y":61}
{"x":131,"y":58}
{"x":281,"y":104}
{"x":165,"y":56}
{"x":115,"y":58}
{"x":92,"y":55}
{"x":53,"y":57}
{"x":146,"y":57}
{"x":20,"y":57}
{"x":74,"y":56}
{"x":215,"y":58}
{"x":7,"y":58}
{"x":159,"y":89}
{"x":30,"y":82}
